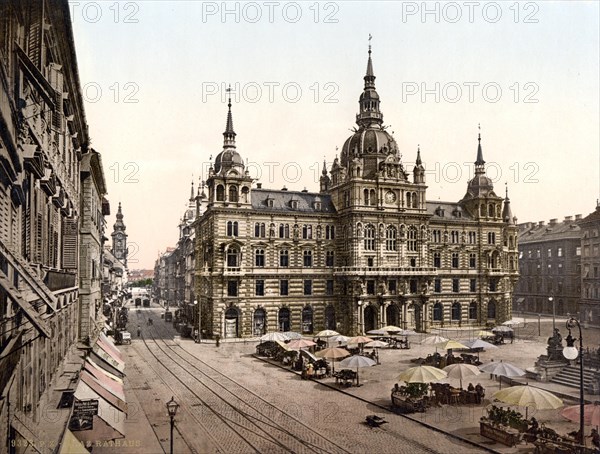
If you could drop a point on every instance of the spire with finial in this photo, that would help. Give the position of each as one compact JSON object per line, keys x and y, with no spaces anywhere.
{"x":418,"y":170}
{"x":506,"y":211}
{"x":419,"y":162}
{"x":480,"y":162}
{"x":369,"y":99}
{"x":192,"y":190}
{"x":229,"y":134}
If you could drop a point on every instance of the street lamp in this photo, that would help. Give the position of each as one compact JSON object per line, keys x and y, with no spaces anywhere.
{"x":570,"y":352}
{"x":551,"y":300}
{"x":360,"y":316}
{"x":172,"y":407}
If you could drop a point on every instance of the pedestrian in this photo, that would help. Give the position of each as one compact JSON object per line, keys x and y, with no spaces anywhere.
{"x":217,"y":340}
{"x":139,"y":331}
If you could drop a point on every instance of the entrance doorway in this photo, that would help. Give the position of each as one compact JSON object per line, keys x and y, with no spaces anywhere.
{"x":284,"y":319}
{"x":370,"y":318}
{"x":231,"y":323}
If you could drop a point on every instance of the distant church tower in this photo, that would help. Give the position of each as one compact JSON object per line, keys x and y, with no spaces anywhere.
{"x":119,"y":238}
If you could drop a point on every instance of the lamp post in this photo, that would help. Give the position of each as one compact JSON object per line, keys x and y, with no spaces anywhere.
{"x":551,"y":300}
{"x":570,"y":352}
{"x":360,"y":316}
{"x":172,"y":407}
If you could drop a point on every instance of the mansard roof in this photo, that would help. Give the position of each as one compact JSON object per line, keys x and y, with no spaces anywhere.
{"x":446,"y":211}
{"x":281,"y":201}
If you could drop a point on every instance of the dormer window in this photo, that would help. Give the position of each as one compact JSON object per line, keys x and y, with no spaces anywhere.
{"x":270,"y":201}
{"x":317,"y":206}
{"x":294,"y":204}
{"x":439,"y":211}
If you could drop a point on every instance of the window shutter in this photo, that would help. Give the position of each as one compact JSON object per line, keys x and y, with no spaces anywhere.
{"x":69,"y":250}
{"x":34,"y":38}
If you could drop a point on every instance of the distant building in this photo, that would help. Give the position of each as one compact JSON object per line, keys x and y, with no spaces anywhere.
{"x":364,"y":251}
{"x":590,"y":267}
{"x":550,"y":267}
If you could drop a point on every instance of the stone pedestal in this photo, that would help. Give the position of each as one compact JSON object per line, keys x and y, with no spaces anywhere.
{"x":545,"y":368}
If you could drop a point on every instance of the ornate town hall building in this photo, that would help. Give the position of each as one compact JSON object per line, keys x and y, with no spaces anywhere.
{"x":367,"y":250}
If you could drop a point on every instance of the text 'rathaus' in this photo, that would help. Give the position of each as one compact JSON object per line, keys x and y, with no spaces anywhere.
{"x":367,"y":250}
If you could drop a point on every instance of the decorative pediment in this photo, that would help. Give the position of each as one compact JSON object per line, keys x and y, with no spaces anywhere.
{"x":34,"y":160}
{"x":48,"y":182}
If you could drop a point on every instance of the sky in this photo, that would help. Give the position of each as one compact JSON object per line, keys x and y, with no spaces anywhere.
{"x":154,"y":76}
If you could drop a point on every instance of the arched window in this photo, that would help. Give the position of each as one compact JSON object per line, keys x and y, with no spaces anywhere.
{"x":414,"y":200}
{"x":232,"y":228}
{"x":454,"y":236}
{"x":491,"y":309}
{"x":366,"y":196}
{"x":491,"y":211}
{"x":284,"y":230}
{"x":284,"y":258}
{"x":307,"y":319}
{"x":390,"y":238}
{"x":412,"y":239}
{"x":369,"y":236}
{"x":233,"y":257}
{"x":473,"y":310}
{"x":482,"y":210}
{"x":456,"y":309}
{"x":233,"y":193}
{"x":373,"y":197}
{"x":455,"y":260}
{"x":260,"y":230}
{"x":408,"y":200}
{"x":231,"y":323}
{"x":330,"y":232}
{"x":438,"y":312}
{"x":437,"y":236}
{"x":220,"y":193}
{"x":437,"y":260}
{"x":259,"y":257}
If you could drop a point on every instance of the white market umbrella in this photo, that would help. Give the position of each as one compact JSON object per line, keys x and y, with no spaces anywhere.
{"x":525,"y":395}
{"x":327,"y":333}
{"x":512,"y":322}
{"x":422,"y":374}
{"x":432,"y":340}
{"x":274,"y":336}
{"x":340,"y":338}
{"x":357,"y":361}
{"x":376,"y":344}
{"x":292,"y":335}
{"x":377,"y":332}
{"x":460,"y":371}
{"x":478,"y":343}
{"x":333,"y":353}
{"x":502,"y":329}
{"x":450,"y":344}
{"x":503,"y":369}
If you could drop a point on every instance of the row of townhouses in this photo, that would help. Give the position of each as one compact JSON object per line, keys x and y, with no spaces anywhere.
{"x":55,"y":271}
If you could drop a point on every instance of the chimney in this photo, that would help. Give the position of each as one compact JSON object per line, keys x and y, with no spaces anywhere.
{"x":258,"y":185}
{"x":568,"y":218}
{"x":553,"y":221}
{"x":305,"y":190}
{"x":577,"y":217}
{"x":284,"y":189}
{"x":541,"y":223}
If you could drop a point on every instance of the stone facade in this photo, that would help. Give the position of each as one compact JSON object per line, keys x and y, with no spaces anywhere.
{"x":367,"y":250}
{"x":590,"y":268}
{"x":51,"y":199}
{"x":550,"y":267}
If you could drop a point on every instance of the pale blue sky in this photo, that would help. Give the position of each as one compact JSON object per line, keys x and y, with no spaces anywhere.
{"x":177,"y":51}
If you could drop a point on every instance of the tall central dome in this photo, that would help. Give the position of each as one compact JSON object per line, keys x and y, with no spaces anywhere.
{"x":370,"y":143}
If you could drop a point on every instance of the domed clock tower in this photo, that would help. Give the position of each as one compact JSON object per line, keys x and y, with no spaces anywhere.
{"x":119,"y":238}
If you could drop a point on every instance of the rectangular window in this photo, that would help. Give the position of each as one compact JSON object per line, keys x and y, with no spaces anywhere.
{"x":437,"y":260}
{"x":370,"y":262}
{"x":413,"y":262}
{"x":329,"y":287}
{"x":578,"y":250}
{"x":283,"y":287}
{"x":455,"y":285}
{"x":307,"y":232}
{"x":559,"y":252}
{"x":232,"y":288}
{"x":329,"y":258}
{"x":392,"y":287}
{"x":473,"y":285}
{"x":284,"y":258}
{"x":308,"y":258}
{"x":370,"y":287}
{"x":491,"y":238}
{"x":549,"y":252}
{"x":330,"y":232}
{"x":437,"y":286}
{"x":259,"y":287}
{"x":493,"y":286}
{"x":413,"y":286}
{"x":472,"y":261}
{"x":455,"y":260}
{"x":259,"y":257}
{"x":307,"y":286}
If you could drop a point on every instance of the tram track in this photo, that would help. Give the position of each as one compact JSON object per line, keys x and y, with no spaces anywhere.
{"x":242,"y":411}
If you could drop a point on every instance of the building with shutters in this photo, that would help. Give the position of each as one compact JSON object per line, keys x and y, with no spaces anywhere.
{"x":51,"y":223}
{"x":365,"y":250}
{"x":590,"y":267}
